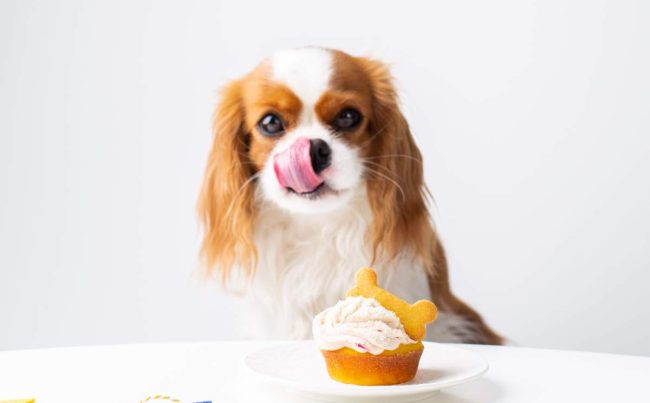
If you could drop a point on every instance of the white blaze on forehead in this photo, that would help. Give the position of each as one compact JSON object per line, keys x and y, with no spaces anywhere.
{"x":305,"y":71}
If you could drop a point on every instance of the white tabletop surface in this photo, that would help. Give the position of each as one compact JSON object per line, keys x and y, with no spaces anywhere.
{"x":199,"y":372}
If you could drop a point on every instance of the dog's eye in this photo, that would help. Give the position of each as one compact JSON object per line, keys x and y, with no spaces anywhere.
{"x":346,"y":119}
{"x":271,"y":125}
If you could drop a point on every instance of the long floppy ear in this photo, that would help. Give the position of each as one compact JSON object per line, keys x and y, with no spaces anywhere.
{"x":398,"y":198}
{"x":396,"y":190}
{"x":226,"y":202}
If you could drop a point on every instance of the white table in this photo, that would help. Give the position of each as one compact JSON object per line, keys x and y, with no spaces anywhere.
{"x":209,"y":372}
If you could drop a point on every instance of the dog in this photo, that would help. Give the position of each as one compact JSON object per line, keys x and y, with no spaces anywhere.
{"x":313,"y":173}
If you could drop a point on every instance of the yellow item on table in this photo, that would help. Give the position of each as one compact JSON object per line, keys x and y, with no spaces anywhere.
{"x":19,"y":401}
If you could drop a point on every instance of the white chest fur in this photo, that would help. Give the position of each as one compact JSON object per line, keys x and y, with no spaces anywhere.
{"x":307,"y":262}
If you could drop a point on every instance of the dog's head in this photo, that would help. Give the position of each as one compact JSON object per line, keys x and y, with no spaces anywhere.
{"x":307,"y":129}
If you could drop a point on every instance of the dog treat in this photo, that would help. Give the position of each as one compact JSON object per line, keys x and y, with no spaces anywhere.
{"x":414,"y":317}
{"x":372,"y":337}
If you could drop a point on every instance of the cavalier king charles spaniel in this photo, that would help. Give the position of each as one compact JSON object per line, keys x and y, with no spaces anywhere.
{"x":314,"y":173}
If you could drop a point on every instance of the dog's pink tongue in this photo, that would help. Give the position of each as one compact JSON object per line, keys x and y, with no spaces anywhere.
{"x":293,"y":167}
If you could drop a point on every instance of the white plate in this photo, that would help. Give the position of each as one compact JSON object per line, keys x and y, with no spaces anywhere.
{"x":296,"y":371}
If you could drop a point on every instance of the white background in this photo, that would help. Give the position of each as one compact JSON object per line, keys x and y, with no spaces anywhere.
{"x":532,"y":116}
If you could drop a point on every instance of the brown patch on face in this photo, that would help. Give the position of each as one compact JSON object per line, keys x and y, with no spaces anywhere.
{"x":261,"y":96}
{"x":331,"y":103}
{"x":350,"y":87}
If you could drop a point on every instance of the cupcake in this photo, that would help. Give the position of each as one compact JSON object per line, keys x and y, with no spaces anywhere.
{"x":372,"y":337}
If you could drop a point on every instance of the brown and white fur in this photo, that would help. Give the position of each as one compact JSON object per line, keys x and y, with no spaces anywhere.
{"x":295,"y":254}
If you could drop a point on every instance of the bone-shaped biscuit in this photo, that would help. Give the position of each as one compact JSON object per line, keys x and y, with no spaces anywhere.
{"x":414,"y":317}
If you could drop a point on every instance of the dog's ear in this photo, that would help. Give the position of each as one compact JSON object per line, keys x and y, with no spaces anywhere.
{"x":226,"y":202}
{"x":396,"y":190}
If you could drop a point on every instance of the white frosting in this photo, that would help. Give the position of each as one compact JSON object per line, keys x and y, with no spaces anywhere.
{"x":361,"y":324}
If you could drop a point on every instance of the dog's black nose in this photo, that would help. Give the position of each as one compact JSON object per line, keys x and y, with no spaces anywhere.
{"x":321,"y":155}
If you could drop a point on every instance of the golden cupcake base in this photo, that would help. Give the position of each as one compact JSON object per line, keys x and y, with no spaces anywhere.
{"x":389,"y":368}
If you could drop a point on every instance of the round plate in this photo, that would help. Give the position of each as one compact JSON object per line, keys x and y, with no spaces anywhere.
{"x":298,"y":369}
